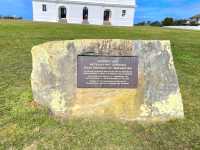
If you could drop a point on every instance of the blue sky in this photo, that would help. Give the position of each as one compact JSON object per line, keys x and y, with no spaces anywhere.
{"x":146,"y":9}
{"x":159,"y":9}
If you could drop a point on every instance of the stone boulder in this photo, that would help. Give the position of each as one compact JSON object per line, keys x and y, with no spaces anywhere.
{"x":157,"y":97}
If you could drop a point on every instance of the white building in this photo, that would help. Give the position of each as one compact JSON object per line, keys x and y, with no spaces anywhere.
{"x":195,"y":19}
{"x":97,"y":12}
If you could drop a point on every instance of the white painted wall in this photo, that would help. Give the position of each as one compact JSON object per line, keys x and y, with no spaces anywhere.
{"x":75,"y":10}
{"x":50,"y":15}
{"x":118,"y":20}
{"x":197,"y":20}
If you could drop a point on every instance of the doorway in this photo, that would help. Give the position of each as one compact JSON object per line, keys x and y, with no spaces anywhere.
{"x":85,"y":13}
{"x":62,"y":12}
{"x":85,"y":16}
{"x":107,"y":15}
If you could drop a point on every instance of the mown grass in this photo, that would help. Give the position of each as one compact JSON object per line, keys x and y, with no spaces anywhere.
{"x":23,"y":126}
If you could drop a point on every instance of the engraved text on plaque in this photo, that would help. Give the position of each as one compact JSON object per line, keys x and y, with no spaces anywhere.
{"x":107,"y":72}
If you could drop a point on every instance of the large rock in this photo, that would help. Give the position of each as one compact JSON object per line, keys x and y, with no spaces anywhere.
{"x":54,"y":81}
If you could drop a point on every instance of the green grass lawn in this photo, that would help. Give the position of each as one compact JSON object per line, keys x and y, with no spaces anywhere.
{"x":22,"y":125}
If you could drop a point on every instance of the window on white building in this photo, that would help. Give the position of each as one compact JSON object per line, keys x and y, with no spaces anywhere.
{"x":44,"y":7}
{"x":123,"y":13}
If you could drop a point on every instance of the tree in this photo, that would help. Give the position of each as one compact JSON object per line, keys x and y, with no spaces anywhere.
{"x":180,"y":22}
{"x":168,"y":22}
{"x":148,"y":22}
{"x":11,"y":17}
{"x":156,"y":23}
{"x":193,"y":23}
{"x":141,"y":23}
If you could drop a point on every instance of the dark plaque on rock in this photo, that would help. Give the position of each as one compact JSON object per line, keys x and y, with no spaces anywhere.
{"x":107,"y":72}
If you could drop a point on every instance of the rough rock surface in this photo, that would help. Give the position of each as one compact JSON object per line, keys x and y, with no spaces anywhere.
{"x":54,"y":81}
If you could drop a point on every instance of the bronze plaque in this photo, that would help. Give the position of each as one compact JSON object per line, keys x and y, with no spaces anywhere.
{"x":107,"y":72}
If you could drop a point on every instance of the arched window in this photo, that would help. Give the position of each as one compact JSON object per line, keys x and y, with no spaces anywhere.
{"x":85,"y":13}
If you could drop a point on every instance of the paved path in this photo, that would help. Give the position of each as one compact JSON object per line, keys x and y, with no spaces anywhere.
{"x":184,"y":27}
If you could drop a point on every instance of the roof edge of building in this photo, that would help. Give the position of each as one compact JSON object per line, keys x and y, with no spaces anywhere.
{"x":133,"y":5}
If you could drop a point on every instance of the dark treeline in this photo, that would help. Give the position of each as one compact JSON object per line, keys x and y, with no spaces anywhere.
{"x":168,"y":22}
{"x":11,"y":17}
